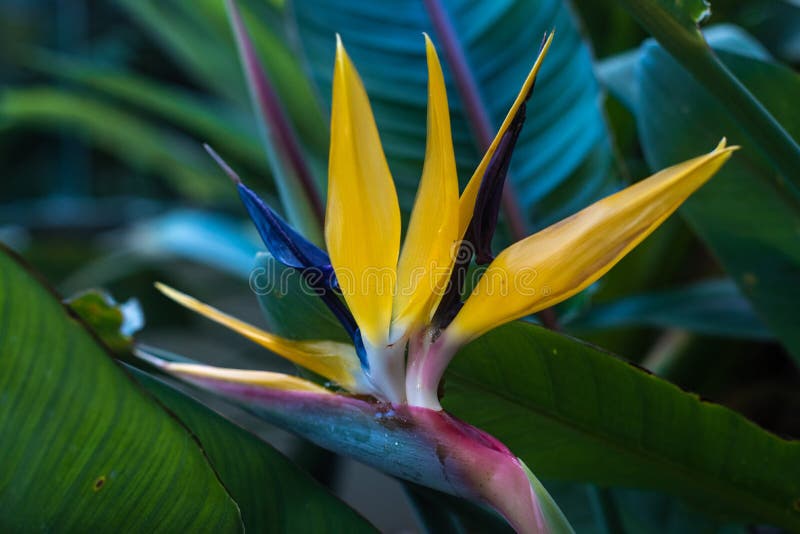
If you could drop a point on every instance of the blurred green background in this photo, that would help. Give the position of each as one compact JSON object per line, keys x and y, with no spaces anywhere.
{"x":104,"y":106}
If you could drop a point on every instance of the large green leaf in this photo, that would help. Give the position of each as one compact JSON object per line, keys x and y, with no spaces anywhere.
{"x":273,"y":494}
{"x":573,"y":412}
{"x":563,"y":159}
{"x":750,"y":224}
{"x":611,"y":511}
{"x":673,"y":23}
{"x":84,"y":448}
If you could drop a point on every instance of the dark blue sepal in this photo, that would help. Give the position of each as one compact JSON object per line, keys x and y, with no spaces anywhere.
{"x":292,"y":249}
{"x":361,"y":350}
{"x":284,"y":243}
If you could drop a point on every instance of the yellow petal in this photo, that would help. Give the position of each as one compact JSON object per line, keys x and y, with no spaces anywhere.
{"x":470,"y":194}
{"x":427,"y":256}
{"x":362,"y":223}
{"x":335,"y":361}
{"x":265,"y":379}
{"x":563,"y":259}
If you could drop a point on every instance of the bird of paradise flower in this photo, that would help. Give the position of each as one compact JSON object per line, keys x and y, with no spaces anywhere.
{"x":381,"y":405}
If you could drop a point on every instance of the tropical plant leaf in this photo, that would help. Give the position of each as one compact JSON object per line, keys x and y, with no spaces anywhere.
{"x":138,"y":143}
{"x":197,"y":43}
{"x":84,"y":448}
{"x":618,"y":73}
{"x":274,"y":495}
{"x":774,"y":23}
{"x":217,"y":241}
{"x":588,"y":508}
{"x":573,"y":412}
{"x":674,"y":25}
{"x":749,"y":223}
{"x":212,"y":120}
{"x":290,"y":306}
{"x":563,"y":158}
{"x":197,"y":35}
{"x":713,"y":307}
{"x":271,"y":492}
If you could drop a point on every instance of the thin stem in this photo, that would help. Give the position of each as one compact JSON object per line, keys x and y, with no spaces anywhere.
{"x":473,"y":104}
{"x":273,"y":121}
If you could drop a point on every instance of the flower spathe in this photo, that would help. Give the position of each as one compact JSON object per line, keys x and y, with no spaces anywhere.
{"x":402,"y":307}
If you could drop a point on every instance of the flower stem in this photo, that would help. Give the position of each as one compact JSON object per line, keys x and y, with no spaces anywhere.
{"x":294,"y":179}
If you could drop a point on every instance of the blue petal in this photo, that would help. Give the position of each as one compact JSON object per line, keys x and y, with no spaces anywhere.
{"x":294,"y":250}
{"x":283,"y":241}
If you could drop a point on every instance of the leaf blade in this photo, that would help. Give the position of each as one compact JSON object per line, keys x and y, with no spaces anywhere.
{"x":573,"y":412}
{"x":113,"y":459}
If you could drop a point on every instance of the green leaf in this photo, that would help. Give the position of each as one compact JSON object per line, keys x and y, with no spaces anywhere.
{"x":573,"y":412}
{"x":134,"y":141}
{"x":563,"y":157}
{"x":673,"y":24}
{"x":713,"y":307}
{"x":632,"y":511}
{"x":217,"y":241}
{"x":197,"y":35}
{"x":274,"y":495}
{"x":751,"y":225}
{"x":195,"y":42}
{"x":222,"y":126}
{"x":685,"y":13}
{"x":774,"y":23}
{"x":84,"y":448}
{"x":618,"y":73}
{"x":289,"y":305}
{"x":294,"y":180}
